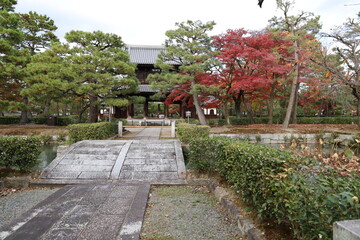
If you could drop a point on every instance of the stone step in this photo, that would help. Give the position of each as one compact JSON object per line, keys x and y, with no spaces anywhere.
{"x":150,"y":168}
{"x":79,"y":156}
{"x":134,"y":159}
{"x":149,"y":176}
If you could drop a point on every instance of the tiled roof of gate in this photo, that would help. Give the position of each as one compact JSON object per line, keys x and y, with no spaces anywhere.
{"x":144,"y":54}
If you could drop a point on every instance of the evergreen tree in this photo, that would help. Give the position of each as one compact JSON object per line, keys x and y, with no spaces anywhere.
{"x":188,"y":47}
{"x":296,"y":27}
{"x":91,"y":68}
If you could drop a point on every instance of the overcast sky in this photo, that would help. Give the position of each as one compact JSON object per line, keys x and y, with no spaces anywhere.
{"x":145,"y":22}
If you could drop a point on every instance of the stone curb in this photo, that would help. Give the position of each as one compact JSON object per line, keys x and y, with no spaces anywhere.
{"x":245,"y":225}
{"x":15,"y":182}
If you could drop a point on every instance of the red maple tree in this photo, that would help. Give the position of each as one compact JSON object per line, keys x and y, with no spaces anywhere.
{"x":250,"y":64}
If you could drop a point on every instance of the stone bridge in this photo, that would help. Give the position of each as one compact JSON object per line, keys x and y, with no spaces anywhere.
{"x":153,"y":161}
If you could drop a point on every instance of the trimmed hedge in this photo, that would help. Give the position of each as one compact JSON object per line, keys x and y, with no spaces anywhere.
{"x":61,"y":121}
{"x":292,"y":190}
{"x":10,"y":120}
{"x":91,"y":131}
{"x":216,"y":121}
{"x":19,"y":152}
{"x":186,"y":132}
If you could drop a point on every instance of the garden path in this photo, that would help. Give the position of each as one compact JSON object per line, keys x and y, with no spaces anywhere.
{"x":107,"y":187}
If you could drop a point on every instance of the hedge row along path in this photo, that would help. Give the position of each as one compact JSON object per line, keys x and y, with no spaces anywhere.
{"x":107,"y":187}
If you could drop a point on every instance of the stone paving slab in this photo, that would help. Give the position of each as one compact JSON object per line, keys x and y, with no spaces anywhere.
{"x":154,"y":160}
{"x":91,"y":211}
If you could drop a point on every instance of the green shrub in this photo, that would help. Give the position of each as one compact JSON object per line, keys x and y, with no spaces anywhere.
{"x":19,"y":152}
{"x":191,"y":121}
{"x":61,"y":137}
{"x":45,"y":138}
{"x":123,"y":120}
{"x":94,"y":131}
{"x":186,"y":132}
{"x":239,"y":121}
{"x":213,"y":122}
{"x":10,"y":120}
{"x":216,"y":122}
{"x":39,"y":120}
{"x":205,"y":153}
{"x":292,"y":190}
{"x":67,"y":120}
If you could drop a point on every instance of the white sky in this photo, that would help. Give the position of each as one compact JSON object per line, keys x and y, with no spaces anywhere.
{"x":145,"y":22}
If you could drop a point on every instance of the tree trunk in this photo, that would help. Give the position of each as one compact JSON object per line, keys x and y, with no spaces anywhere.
{"x":94,"y":110}
{"x":24,"y":113}
{"x":293,"y":88}
{"x":271,"y":106}
{"x":46,"y":111}
{"x":237,"y":101}
{"x":57,"y":109}
{"x":110,"y":109}
{"x":358,"y":111}
{"x":294,"y":111}
{"x":81,"y":113}
{"x":248,"y":110}
{"x":199,"y":111}
{"x":226,"y":112}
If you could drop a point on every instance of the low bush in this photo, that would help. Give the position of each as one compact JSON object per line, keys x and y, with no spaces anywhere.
{"x":10,"y":120}
{"x":61,"y":137}
{"x":216,"y":122}
{"x":116,"y":120}
{"x":191,"y":121}
{"x":18,"y":152}
{"x":93,"y":131}
{"x":61,"y":121}
{"x":205,"y":153}
{"x":39,"y":120}
{"x":293,"y":190}
{"x":186,"y":132}
{"x":67,"y":120}
{"x":45,"y":139}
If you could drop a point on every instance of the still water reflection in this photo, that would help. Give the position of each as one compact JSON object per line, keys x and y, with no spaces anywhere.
{"x":48,"y":153}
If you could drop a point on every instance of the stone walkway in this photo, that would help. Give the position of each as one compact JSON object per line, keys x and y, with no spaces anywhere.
{"x":148,"y":134}
{"x":104,"y":211}
{"x":113,"y":180}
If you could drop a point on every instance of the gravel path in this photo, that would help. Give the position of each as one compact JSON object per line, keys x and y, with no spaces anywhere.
{"x":14,"y":205}
{"x":182,"y":213}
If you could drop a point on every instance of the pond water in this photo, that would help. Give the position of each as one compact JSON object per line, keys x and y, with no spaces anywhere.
{"x":48,"y":153}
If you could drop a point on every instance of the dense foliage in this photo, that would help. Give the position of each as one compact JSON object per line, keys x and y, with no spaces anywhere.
{"x":60,"y":121}
{"x":92,"y":131}
{"x":282,"y":71}
{"x":187,"y":56}
{"x":185,"y":132}
{"x":295,"y":191}
{"x":19,"y":152}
